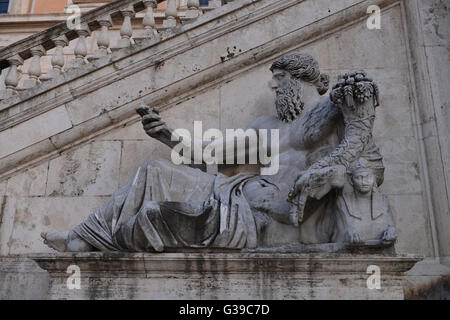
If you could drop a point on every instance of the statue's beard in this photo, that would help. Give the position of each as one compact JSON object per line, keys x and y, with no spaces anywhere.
{"x":289,"y":102}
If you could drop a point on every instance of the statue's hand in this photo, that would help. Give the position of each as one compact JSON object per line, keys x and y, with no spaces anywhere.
{"x":314,"y":183}
{"x":153,"y":124}
{"x":298,"y":186}
{"x":389,"y":235}
{"x":298,"y":203}
{"x":318,"y":182}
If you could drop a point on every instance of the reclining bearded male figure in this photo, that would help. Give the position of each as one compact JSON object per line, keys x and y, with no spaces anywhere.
{"x":165,"y":206}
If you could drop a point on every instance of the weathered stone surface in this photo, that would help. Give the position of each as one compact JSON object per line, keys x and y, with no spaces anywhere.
{"x":27,"y":157}
{"x":3,"y":185}
{"x":128,"y":131}
{"x":22,"y":279}
{"x":399,"y":150}
{"x":426,"y":22}
{"x":436,"y":26}
{"x":32,"y":182}
{"x":25,"y":218}
{"x":402,"y":179}
{"x":134,"y":152}
{"x":412,"y":224}
{"x":34,"y":130}
{"x":224,"y":276}
{"x":234,"y":96}
{"x":427,"y":280}
{"x":92,"y":170}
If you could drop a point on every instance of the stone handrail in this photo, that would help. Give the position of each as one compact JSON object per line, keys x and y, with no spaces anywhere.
{"x":103,"y":18}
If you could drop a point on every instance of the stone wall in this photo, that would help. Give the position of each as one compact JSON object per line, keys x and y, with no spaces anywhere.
{"x":58,"y":192}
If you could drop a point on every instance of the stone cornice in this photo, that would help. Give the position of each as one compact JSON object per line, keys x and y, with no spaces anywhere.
{"x":148,"y":263}
{"x":32,"y":18}
{"x":215,"y":275}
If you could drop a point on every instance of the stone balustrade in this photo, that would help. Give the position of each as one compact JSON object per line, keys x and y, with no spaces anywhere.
{"x":121,"y":12}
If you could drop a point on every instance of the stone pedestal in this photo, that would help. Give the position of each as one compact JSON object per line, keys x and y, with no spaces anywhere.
{"x":22,"y":279}
{"x":210,"y":275}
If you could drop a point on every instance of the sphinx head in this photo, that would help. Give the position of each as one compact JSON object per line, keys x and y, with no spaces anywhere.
{"x":363,"y":177}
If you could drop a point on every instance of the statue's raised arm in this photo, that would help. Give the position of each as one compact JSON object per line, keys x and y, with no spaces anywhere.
{"x":356,"y":96}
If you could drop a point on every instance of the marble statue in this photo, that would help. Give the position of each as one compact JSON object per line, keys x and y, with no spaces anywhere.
{"x":362,"y":212}
{"x":166,"y":206}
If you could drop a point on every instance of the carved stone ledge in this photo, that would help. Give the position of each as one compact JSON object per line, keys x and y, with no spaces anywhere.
{"x":211,"y":275}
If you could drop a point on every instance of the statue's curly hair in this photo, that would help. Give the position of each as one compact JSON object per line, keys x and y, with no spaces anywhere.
{"x":303,"y":66}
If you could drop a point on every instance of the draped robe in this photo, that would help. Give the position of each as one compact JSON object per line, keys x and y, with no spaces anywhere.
{"x":168,"y":206}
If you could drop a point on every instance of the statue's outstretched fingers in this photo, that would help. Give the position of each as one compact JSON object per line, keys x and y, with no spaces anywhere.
{"x":302,"y":204}
{"x":294,"y":192}
{"x":293,"y":215}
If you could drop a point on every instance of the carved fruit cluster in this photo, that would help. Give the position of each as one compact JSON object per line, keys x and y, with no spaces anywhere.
{"x":354,"y":86}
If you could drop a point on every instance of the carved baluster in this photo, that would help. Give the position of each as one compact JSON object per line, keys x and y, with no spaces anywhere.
{"x":12,"y":77}
{"x":214,"y":4}
{"x":149,"y":31}
{"x":81,"y":49}
{"x":103,"y":40}
{"x":58,"y":59}
{"x":149,"y":18}
{"x":171,"y":14}
{"x":193,"y":9}
{"x":34,"y":71}
{"x":193,"y":4}
{"x":126,"y":32}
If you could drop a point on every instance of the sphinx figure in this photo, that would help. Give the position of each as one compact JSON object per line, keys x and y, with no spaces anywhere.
{"x":363,"y":214}
{"x":166,"y":206}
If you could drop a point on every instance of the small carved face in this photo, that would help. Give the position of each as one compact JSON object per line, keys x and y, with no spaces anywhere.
{"x":363,"y":180}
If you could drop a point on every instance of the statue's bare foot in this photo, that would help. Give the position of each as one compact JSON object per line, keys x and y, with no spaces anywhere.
{"x":56,"y":240}
{"x":66,"y":241}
